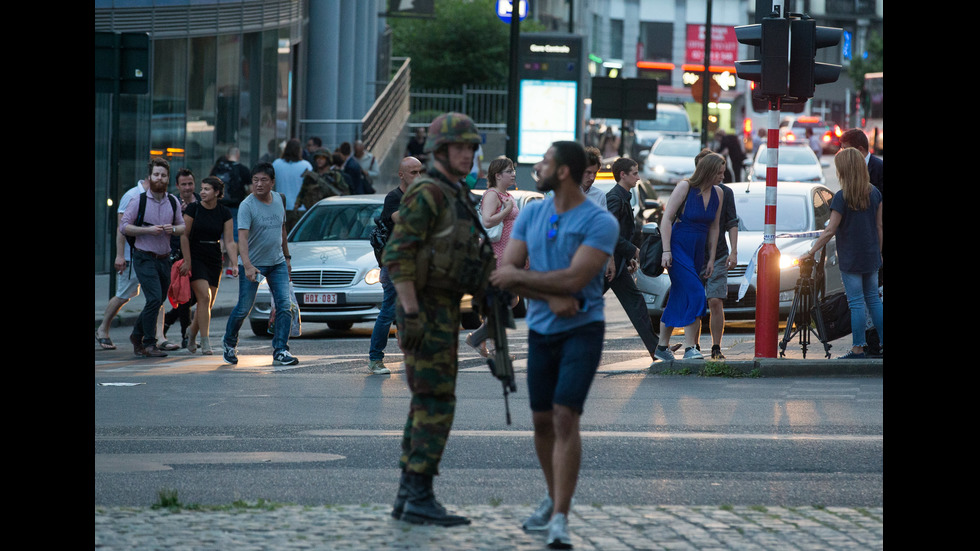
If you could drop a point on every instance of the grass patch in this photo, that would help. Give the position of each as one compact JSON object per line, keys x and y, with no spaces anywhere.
{"x":168,"y":499}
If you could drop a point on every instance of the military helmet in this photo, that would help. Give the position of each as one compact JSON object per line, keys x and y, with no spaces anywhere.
{"x":451,"y":128}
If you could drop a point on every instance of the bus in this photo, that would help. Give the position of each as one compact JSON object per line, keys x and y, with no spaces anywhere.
{"x":872,"y":110}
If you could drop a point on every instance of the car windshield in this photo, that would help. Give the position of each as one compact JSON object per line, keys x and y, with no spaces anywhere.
{"x":666,"y":121}
{"x":791,"y":215}
{"x":789,"y":156}
{"x":678,"y":148}
{"x":337,"y":222}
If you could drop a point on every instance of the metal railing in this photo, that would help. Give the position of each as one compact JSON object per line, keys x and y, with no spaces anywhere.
{"x":380,"y":128}
{"x":486,"y":106}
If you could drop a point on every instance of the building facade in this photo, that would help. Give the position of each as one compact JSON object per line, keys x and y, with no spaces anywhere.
{"x":223,"y":73}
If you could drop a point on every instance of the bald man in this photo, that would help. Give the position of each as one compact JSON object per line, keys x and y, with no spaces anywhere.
{"x":408,"y":170}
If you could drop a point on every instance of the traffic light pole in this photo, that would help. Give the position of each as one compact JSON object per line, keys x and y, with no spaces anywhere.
{"x":767,"y":280}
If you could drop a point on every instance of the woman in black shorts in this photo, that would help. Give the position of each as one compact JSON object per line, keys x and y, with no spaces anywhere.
{"x":206,"y":223}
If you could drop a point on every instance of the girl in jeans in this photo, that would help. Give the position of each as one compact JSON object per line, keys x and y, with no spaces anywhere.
{"x":855,"y":218}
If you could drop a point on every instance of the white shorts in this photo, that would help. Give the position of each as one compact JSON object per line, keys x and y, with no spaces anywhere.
{"x":127,"y":285}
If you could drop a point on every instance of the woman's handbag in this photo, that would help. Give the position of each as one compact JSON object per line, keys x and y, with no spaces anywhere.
{"x":494,"y":232}
{"x":652,"y":254}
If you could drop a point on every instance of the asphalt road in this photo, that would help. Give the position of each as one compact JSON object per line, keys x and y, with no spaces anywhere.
{"x":328,"y":432}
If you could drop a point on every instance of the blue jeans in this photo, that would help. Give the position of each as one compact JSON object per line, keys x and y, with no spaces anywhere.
{"x":278,"y":278}
{"x":379,"y":337}
{"x":862,"y":291}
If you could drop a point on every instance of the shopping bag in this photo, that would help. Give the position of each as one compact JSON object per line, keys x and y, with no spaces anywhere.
{"x":295,"y":327}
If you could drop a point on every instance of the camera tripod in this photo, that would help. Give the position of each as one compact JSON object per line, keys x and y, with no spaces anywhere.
{"x":804,"y":300}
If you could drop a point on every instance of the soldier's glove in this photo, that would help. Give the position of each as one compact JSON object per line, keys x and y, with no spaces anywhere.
{"x":411,"y":335}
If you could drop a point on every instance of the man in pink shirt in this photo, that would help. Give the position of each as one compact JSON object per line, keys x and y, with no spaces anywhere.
{"x":151,"y":252}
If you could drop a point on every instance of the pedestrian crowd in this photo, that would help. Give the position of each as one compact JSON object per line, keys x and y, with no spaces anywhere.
{"x":437,"y":242}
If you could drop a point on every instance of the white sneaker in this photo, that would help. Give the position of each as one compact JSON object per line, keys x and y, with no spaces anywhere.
{"x":378,"y":367}
{"x":693,"y":353}
{"x":663,"y":355}
{"x":558,"y":537}
{"x":540,"y":517}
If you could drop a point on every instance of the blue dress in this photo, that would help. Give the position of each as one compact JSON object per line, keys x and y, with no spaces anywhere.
{"x":688,"y":237}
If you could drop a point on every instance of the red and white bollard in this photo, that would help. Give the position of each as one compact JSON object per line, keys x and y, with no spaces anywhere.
{"x":767,"y":280}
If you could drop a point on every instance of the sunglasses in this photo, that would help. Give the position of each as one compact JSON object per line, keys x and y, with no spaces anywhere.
{"x":554,"y":226}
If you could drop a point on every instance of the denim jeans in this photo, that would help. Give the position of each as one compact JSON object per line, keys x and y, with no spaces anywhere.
{"x":154,"y":277}
{"x":379,"y":337}
{"x":862,"y":291}
{"x":277,"y":277}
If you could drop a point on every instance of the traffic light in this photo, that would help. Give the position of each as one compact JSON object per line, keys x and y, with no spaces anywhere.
{"x":804,"y":72}
{"x":772,"y":71}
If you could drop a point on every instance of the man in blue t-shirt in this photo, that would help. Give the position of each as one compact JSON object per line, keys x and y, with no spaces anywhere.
{"x":568,"y":240}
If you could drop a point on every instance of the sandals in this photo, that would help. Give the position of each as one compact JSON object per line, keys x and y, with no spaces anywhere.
{"x":104,"y":342}
{"x":168,"y":346}
{"x":482,"y":349}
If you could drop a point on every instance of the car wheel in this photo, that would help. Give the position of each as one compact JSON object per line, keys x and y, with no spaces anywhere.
{"x":340,"y":325}
{"x":470,"y":320}
{"x":260,"y":328}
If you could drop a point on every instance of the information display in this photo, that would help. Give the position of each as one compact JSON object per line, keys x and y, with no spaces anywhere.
{"x":547,"y":114}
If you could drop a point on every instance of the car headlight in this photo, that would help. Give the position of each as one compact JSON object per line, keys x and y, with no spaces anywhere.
{"x":373,"y":276}
{"x":786,"y":262}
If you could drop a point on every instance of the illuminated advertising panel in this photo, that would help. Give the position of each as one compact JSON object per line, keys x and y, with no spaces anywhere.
{"x":547,"y":114}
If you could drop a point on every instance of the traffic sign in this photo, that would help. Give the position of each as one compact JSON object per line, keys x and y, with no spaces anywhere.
{"x":505,"y":8}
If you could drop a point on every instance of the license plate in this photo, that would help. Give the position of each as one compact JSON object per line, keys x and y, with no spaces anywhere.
{"x":319,"y":298}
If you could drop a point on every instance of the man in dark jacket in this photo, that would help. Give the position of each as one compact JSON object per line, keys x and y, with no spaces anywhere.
{"x":619,"y":274}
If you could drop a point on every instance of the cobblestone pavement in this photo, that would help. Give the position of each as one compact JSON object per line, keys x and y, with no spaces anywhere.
{"x":494,"y":528}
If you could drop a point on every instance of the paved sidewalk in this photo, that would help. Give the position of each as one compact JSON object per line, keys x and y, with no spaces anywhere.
{"x":494,"y":528}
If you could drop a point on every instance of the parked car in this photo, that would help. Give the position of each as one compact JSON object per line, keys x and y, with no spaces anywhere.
{"x":671,"y":159}
{"x":335,"y":274}
{"x":800,"y":208}
{"x":671,"y":120}
{"x":469,"y":318}
{"x":793,"y":131}
{"x":797,"y":163}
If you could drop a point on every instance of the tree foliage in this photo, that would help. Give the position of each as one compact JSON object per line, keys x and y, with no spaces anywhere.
{"x":466,"y":43}
{"x":873,"y":63}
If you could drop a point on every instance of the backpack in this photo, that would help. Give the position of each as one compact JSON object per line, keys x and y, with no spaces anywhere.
{"x":231,"y":175}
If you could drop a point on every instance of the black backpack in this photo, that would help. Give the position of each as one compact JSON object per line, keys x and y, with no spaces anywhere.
{"x":231,"y":175}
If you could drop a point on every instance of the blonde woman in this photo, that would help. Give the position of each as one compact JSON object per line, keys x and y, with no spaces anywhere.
{"x":856,"y":220}
{"x":698,"y":201}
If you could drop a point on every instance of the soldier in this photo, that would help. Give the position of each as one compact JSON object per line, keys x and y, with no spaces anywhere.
{"x":434,"y":256}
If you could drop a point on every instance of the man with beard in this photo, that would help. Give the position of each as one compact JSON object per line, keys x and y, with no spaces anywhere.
{"x":151,"y":251}
{"x":568,"y":240}
{"x":434,"y":256}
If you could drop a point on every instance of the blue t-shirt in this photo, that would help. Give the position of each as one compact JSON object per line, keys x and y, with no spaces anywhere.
{"x":586,"y":224}
{"x":857,"y":235}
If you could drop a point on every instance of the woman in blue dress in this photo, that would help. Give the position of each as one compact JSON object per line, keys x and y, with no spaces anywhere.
{"x":694,"y":207}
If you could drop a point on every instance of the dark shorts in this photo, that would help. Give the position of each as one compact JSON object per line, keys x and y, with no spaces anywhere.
{"x":560,"y":367}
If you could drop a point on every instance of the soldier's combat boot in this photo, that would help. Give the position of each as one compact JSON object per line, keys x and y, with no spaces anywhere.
{"x":399,"y":507}
{"x":421,"y":506}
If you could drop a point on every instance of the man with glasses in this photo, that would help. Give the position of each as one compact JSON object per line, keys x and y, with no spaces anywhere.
{"x":568,"y":241}
{"x":409,"y":169}
{"x":263,"y":251}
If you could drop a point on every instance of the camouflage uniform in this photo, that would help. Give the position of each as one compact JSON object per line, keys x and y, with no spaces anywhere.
{"x":425,"y":212}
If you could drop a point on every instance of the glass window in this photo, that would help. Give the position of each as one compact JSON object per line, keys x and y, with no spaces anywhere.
{"x":657,"y":39}
{"x":616,"y":38}
{"x":790,"y":212}
{"x":201,"y":93}
{"x":169,"y":100}
{"x":337,"y":222}
{"x":228,"y":106}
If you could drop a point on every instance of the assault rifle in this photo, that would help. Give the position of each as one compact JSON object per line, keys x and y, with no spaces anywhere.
{"x":499,"y":317}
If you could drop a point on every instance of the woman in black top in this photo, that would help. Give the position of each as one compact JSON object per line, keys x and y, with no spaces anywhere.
{"x":206,"y":223}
